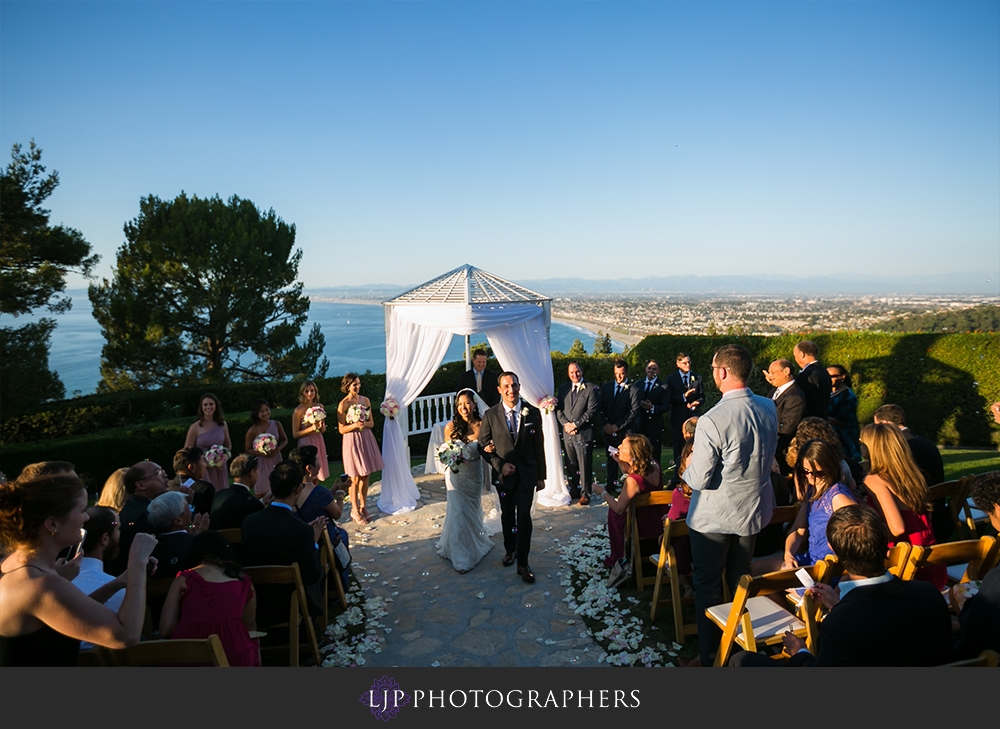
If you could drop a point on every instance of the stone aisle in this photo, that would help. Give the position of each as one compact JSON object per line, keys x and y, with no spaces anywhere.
{"x":486,"y":617}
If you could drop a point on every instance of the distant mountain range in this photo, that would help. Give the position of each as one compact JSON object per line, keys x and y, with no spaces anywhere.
{"x":978,"y":283}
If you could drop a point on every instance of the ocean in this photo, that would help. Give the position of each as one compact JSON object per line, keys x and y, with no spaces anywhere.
{"x":355,"y":340}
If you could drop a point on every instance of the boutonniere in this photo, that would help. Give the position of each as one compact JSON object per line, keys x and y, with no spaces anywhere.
{"x":625,"y":387}
{"x":524,"y":412}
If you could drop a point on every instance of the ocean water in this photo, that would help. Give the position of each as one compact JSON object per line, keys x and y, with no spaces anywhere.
{"x":355,"y":340}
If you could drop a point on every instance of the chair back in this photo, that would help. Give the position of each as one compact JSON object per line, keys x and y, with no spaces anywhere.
{"x":169,"y":653}
{"x":897,"y":559}
{"x":980,"y":555}
{"x":648,"y":498}
{"x":784,"y":514}
{"x":329,"y":563}
{"x":955,"y":493}
{"x":289,"y":575}
{"x":233,"y":536}
{"x":666,"y":566}
{"x":986,"y":659}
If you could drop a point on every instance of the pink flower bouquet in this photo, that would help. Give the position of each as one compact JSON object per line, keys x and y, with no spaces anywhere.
{"x":265,"y":443}
{"x":314,"y":415}
{"x":217,"y":456}
{"x":390,"y":408}
{"x":548,"y":404}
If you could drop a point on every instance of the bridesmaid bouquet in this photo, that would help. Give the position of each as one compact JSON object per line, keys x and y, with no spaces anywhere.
{"x":390,"y":408}
{"x":453,"y":453}
{"x":548,"y":404}
{"x":217,"y":456}
{"x":314,"y":415}
{"x":357,"y":413}
{"x":265,"y":443}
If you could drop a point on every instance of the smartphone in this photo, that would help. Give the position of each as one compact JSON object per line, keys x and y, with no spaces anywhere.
{"x":612,"y":450}
{"x":78,"y":547}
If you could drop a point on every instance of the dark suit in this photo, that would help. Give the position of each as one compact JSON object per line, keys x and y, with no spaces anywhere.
{"x":526,"y":451}
{"x":170,"y":552}
{"x":134,"y":519}
{"x":231,"y":506}
{"x":816,"y":386}
{"x":980,"y":619}
{"x":929,"y":461}
{"x":202,"y":492}
{"x":489,"y":391}
{"x":277,"y":536}
{"x":621,"y":410}
{"x":679,"y":410}
{"x":580,"y":409}
{"x":791,"y":407}
{"x":650,"y":423}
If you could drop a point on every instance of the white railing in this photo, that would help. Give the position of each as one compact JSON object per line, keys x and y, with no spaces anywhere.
{"x":424,"y":412}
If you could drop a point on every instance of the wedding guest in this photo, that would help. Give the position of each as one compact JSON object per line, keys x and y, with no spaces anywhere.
{"x":170,"y":518}
{"x":213,"y":596}
{"x":843,"y":412}
{"x":114,"y":495}
{"x":316,"y":500}
{"x":232,"y":506}
{"x":817,"y":468}
{"x":211,"y":429}
{"x":680,"y":502}
{"x":144,"y":481}
{"x":896,"y":488}
{"x":361,"y":453}
{"x":979,"y":617}
{"x":260,"y":416}
{"x":309,"y":425}
{"x":819,"y":429}
{"x":44,"y":616}
{"x":189,"y":478}
{"x":635,"y":456}
{"x":103,"y":537}
{"x":995,"y":409}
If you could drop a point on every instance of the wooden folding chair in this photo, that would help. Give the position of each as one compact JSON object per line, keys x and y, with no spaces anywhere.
{"x":666,"y":566}
{"x":754,"y":617}
{"x":233,"y":536}
{"x":955,"y":494}
{"x":986,"y":659}
{"x":897,"y":560}
{"x":329,"y":563}
{"x":973,"y":517}
{"x":298,"y":605}
{"x":968,"y":560}
{"x":650,"y":498}
{"x":156,"y":592}
{"x":169,"y":653}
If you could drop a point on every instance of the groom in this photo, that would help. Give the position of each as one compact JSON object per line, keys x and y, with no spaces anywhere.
{"x":518,"y":460}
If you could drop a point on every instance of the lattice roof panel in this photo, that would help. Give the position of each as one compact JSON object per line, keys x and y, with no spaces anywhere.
{"x":468,"y":285}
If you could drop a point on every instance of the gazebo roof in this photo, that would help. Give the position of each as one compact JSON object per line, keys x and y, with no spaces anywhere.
{"x":469,"y":285}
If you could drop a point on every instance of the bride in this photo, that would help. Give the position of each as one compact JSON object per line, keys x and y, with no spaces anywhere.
{"x":464,"y":537}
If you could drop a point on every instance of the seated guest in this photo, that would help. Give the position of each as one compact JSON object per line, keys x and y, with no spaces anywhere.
{"x":875,"y":619}
{"x":817,"y":428}
{"x":103,"y":536}
{"x":114,"y":495}
{"x":189,"y":469}
{"x":635,"y":456}
{"x":897,"y":489}
{"x":980,"y":615}
{"x":818,"y":468}
{"x":277,"y":536}
{"x":144,"y":481}
{"x":843,"y":414}
{"x":213,"y":597}
{"x":231,"y":506}
{"x":44,"y":616}
{"x":680,"y":502}
{"x":170,"y":518}
{"x":316,"y":500}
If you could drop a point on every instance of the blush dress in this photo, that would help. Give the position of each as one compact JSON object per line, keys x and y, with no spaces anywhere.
{"x":218,"y":477}
{"x":216,"y":608}
{"x":266,"y":464}
{"x":361,"y":453}
{"x":316,"y":439}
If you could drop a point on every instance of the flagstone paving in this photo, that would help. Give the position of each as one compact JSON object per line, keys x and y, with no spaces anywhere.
{"x":486,"y":617}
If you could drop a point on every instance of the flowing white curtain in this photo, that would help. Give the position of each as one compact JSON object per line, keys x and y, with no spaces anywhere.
{"x":417,"y":338}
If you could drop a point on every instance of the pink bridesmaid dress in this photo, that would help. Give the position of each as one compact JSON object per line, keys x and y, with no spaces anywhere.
{"x":266,"y":464}
{"x":316,"y":439}
{"x":218,"y":477}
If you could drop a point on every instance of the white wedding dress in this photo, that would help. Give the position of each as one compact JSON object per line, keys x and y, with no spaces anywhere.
{"x":468,"y":521}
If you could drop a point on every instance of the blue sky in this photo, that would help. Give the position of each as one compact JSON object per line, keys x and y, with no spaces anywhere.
{"x":531,"y":139}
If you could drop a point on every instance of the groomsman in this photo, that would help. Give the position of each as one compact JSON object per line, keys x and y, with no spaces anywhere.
{"x":653,"y":403}
{"x":687,"y":394}
{"x":480,"y":379}
{"x":578,"y":404}
{"x":813,"y":380}
{"x":619,"y":411}
{"x":790,"y":404}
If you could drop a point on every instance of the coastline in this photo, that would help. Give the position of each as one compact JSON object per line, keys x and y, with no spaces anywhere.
{"x":627,"y":339}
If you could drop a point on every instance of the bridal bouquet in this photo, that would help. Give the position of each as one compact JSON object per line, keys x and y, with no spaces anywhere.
{"x":390,"y":408}
{"x":454,"y":453}
{"x":548,"y":404}
{"x":265,"y":443}
{"x":314,"y":415}
{"x":357,"y":413}
{"x":217,"y":456}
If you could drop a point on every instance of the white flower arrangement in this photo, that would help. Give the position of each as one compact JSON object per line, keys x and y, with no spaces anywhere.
{"x":216,"y":456}
{"x":548,"y":404}
{"x":265,"y":443}
{"x":455,"y":453}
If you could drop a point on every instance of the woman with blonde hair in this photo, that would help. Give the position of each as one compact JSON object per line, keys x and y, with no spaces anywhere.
{"x":897,"y":490}
{"x":114,"y":495}
{"x":635,"y":456}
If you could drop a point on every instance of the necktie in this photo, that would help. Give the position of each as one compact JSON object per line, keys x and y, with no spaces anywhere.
{"x":618,"y":390}
{"x":479,"y":381}
{"x":512,"y":421}
{"x":649,"y":386}
{"x":686,"y":380}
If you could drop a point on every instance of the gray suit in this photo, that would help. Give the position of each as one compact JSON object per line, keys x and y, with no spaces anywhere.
{"x":578,"y":408}
{"x":732,"y":499}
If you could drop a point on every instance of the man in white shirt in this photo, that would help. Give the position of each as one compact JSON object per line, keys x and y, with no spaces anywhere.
{"x":103,"y":535}
{"x":790,"y":403}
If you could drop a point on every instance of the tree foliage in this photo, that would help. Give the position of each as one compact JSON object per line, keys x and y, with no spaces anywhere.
{"x":200,"y":286}
{"x":602,"y":344}
{"x":576,"y":349}
{"x":25,"y":377}
{"x":985,"y":318}
{"x":35,"y":257}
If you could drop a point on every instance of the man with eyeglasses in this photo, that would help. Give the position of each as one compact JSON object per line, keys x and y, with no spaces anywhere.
{"x":144,"y":481}
{"x":730,"y":477}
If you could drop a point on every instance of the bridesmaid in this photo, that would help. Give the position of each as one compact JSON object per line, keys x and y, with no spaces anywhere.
{"x":360,"y":449}
{"x":307,"y":433}
{"x":208,"y":430}
{"x":260,"y":415}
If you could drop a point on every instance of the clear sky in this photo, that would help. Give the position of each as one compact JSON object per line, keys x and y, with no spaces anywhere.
{"x":531,"y":139}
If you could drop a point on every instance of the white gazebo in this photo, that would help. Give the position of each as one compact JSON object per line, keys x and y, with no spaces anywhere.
{"x":419,"y":325}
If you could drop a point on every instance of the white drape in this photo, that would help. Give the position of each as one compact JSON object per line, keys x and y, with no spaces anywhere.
{"x":417,"y":338}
